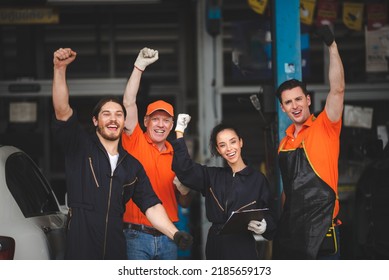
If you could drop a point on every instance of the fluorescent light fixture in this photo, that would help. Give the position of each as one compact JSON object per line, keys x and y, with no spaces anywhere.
{"x":103,"y":1}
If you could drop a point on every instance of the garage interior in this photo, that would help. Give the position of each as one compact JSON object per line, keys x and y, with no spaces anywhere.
{"x":107,"y":35}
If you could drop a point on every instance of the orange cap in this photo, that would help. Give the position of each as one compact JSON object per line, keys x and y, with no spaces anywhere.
{"x":160,"y":105}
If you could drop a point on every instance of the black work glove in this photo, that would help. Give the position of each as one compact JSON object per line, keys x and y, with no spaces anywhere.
{"x":183,"y":240}
{"x":325,"y":33}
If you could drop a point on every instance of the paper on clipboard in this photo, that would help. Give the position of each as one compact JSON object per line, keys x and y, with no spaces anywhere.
{"x":238,"y":221}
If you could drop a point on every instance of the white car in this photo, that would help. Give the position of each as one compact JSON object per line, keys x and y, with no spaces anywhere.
{"x":32,"y":223}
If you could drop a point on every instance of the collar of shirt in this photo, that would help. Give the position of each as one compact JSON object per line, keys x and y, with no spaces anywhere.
{"x":290,"y":130}
{"x":169,"y":147}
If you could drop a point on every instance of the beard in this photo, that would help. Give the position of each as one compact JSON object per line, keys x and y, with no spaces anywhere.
{"x":111,"y":136}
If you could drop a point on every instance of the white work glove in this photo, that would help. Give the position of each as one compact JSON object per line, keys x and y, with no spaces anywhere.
{"x":146,"y":57}
{"x":184,"y":190}
{"x":258,"y":227}
{"x":182,"y":122}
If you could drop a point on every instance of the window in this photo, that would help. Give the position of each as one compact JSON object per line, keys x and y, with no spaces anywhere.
{"x":28,"y":186}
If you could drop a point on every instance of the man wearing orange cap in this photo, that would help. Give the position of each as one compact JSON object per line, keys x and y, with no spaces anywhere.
{"x":156,"y":154}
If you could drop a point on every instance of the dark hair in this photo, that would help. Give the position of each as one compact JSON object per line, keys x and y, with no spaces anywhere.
{"x":103,"y":101}
{"x":290,"y":84}
{"x":215,"y":131}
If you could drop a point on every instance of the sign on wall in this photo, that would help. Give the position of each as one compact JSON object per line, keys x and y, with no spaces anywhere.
{"x":28,"y":16}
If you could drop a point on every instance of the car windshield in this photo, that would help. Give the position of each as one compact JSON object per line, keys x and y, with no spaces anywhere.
{"x":29,"y":187}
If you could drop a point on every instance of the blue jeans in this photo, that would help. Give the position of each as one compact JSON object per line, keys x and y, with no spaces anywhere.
{"x":144,"y":246}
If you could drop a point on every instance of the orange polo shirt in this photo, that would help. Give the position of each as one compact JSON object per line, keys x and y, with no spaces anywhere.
{"x":158,"y":168}
{"x":321,"y":140}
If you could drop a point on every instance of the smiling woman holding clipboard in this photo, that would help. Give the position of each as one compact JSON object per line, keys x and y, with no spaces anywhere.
{"x":234,"y":190}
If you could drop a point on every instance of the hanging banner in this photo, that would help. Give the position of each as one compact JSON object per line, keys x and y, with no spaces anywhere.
{"x":377,"y":49}
{"x":353,"y":15}
{"x":29,"y":16}
{"x":258,"y":6}
{"x":327,"y":12}
{"x":307,"y":9}
{"x":376,"y":15}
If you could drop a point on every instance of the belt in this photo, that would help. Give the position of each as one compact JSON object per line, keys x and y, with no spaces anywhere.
{"x":142,"y":228}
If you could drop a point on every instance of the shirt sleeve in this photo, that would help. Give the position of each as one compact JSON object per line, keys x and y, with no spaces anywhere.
{"x":269,"y":202}
{"x":332,"y":128}
{"x":129,"y":140}
{"x":144,"y":196}
{"x":190,"y":173}
{"x":68,"y":133}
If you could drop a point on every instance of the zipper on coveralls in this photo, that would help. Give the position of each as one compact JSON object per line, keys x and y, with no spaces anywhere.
{"x":217,"y":201}
{"x":133,"y":182}
{"x":247,"y":205}
{"x":93,"y":171}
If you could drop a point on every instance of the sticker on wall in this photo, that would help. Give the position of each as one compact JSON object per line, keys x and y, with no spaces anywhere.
{"x":289,"y":68}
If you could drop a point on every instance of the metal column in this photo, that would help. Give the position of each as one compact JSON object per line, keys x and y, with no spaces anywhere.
{"x":209,"y":99}
{"x":287,"y":51}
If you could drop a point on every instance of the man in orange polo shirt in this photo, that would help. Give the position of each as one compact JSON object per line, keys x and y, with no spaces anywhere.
{"x":156,"y":155}
{"x":308,"y":160}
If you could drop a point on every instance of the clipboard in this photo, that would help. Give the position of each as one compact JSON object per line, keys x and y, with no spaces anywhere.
{"x":238,"y":221}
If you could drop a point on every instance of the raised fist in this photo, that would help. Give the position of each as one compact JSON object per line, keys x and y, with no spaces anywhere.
{"x":325,"y":33}
{"x":182,"y":122}
{"x":145,"y":57}
{"x":63,"y":56}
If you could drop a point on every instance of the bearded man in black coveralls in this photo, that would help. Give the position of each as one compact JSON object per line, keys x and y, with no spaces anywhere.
{"x":101,"y":176}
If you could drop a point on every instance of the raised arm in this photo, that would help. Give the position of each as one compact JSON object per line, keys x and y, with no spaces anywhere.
{"x":145,"y":57}
{"x":60,"y":91}
{"x":335,"y":98}
{"x":184,"y":196}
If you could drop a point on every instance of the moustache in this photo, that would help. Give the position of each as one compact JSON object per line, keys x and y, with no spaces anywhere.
{"x":113,"y":123}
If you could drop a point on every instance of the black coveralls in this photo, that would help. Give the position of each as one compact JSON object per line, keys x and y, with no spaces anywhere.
{"x":97,"y":199}
{"x":224,"y":193}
